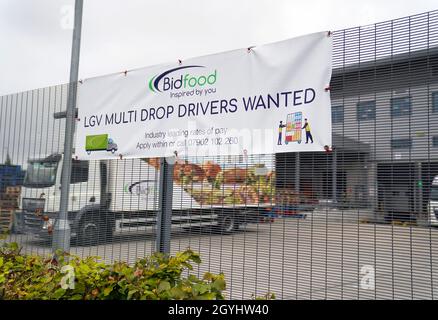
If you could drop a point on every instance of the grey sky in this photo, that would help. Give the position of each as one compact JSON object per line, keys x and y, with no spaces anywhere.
{"x":117,"y":35}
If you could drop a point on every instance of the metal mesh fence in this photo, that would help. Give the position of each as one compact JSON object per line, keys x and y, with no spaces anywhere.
{"x":356,"y":222}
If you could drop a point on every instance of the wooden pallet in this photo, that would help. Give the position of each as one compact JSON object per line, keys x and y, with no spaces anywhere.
{"x":6,"y":219}
{"x":9,"y":196}
{"x":9,"y":204}
{"x":16,"y":190}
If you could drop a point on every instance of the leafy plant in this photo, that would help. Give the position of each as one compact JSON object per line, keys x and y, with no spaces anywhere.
{"x":156,"y":277}
{"x":267,"y":296}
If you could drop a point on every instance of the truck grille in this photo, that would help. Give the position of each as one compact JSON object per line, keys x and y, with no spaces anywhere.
{"x":33,"y":205}
{"x":32,"y":222}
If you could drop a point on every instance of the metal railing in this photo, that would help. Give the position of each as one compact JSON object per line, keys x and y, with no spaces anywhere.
{"x":355,"y":222}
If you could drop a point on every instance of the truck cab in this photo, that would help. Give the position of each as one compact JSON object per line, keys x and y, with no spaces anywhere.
{"x":41,"y":192}
{"x":433,"y":203}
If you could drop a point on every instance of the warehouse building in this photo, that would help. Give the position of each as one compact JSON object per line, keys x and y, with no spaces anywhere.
{"x":385,"y":139}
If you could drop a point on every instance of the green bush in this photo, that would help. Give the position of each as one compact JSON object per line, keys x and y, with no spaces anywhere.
{"x":156,"y":277}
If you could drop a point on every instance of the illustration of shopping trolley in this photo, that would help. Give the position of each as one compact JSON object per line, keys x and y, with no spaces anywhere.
{"x":293,"y":127}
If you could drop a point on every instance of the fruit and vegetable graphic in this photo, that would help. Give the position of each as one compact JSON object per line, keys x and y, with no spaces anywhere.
{"x":210,"y":183}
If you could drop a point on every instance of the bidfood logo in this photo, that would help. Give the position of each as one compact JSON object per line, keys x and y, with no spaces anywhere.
{"x":142,"y":188}
{"x":181,"y":78}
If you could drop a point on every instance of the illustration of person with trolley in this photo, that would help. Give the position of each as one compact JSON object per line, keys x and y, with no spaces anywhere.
{"x":294,"y":126}
{"x":308,"y":134}
{"x":280,"y":132}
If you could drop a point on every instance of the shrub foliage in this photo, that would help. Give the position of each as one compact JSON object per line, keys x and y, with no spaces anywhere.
{"x":152,"y":278}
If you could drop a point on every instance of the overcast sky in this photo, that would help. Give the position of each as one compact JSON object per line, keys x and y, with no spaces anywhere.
{"x":117,"y":35}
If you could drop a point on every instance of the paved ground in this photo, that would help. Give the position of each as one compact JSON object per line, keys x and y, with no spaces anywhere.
{"x":320,"y":257}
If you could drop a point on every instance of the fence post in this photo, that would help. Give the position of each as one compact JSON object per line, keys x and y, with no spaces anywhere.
{"x":164,"y":217}
{"x":297,"y":172}
{"x":334,"y":177}
{"x":61,"y":232}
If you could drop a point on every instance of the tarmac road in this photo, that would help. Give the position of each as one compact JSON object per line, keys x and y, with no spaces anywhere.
{"x":312,"y":258}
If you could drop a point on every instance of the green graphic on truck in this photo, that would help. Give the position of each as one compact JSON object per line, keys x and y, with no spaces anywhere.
{"x":100,"y":142}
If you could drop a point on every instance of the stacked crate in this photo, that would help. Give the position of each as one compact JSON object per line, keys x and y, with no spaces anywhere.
{"x":8,"y":205}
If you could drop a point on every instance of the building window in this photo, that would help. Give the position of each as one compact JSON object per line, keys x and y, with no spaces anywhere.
{"x":366,"y":110}
{"x":400,"y":106}
{"x":435,"y":141}
{"x":435,"y":101}
{"x":337,"y":114}
{"x":401,"y":143}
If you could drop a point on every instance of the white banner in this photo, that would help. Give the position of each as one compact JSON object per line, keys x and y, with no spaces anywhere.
{"x":267,"y":99}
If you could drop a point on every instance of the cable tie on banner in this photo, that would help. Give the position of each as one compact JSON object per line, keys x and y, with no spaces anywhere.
{"x":76,"y":157}
{"x":81,"y":82}
{"x":249,"y":49}
{"x":121,"y":156}
{"x":328,"y":88}
{"x":328,"y":149}
{"x":329,"y":33}
{"x":125,"y":72}
{"x":179,"y":61}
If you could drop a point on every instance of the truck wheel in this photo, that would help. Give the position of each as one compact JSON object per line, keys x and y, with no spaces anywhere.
{"x":106,"y":229}
{"x":228,"y":223}
{"x":88,"y":232}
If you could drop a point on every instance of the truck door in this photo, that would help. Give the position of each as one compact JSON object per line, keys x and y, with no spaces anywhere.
{"x":84,"y":184}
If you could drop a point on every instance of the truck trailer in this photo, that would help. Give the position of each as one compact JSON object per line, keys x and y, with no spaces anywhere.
{"x":109,"y":197}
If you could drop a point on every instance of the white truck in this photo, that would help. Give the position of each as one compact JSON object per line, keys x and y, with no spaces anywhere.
{"x":109,"y":197}
{"x":433,"y":203}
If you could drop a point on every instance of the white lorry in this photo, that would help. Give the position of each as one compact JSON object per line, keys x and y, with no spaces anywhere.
{"x":108,"y":197}
{"x":433,"y":203}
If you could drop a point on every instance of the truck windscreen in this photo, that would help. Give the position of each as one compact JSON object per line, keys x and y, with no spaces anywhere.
{"x":434,"y":193}
{"x":41,"y":174}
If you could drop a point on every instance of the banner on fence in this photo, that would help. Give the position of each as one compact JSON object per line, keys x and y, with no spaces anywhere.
{"x":266,"y":99}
